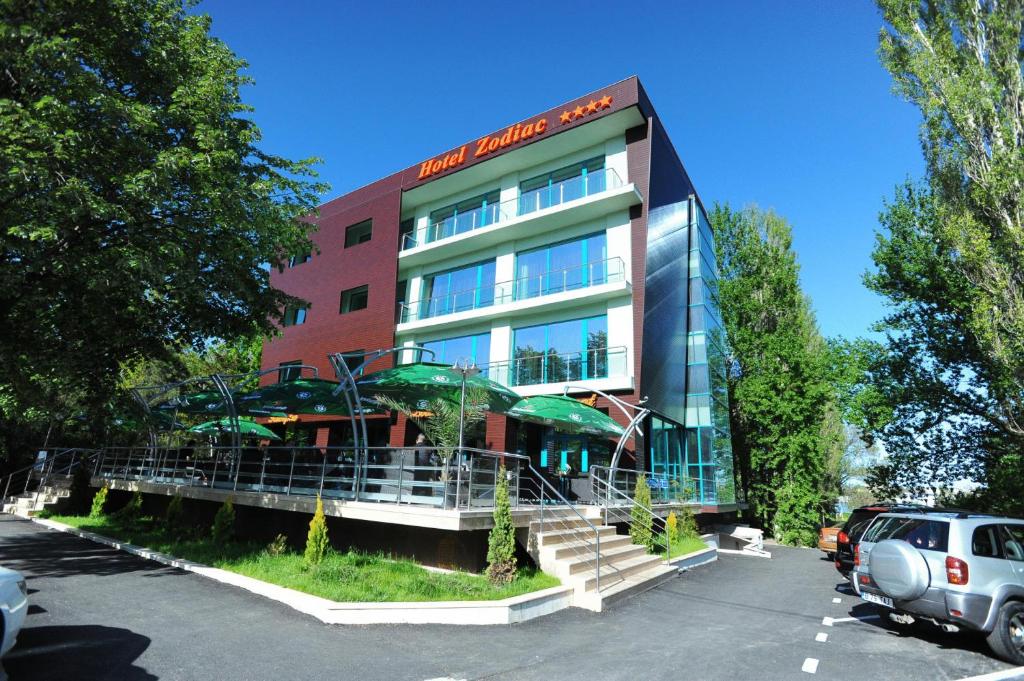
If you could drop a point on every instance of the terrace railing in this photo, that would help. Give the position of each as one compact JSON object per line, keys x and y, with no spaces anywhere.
{"x":529,"y":201}
{"x":533,"y":286}
{"x":538,"y":368}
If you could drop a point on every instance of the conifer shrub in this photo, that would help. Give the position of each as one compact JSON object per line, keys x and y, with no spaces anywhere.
{"x":99,"y":501}
{"x":672,"y":526}
{"x":687,"y":524}
{"x":132,"y":509}
{"x":81,"y":494}
{"x":641,"y":523}
{"x":501,"y":543}
{"x":317,"y":541}
{"x":279,"y":546}
{"x":223,"y":530}
{"x":174,"y":515}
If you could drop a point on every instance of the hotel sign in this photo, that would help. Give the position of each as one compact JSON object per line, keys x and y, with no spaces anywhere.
{"x":516,"y":134}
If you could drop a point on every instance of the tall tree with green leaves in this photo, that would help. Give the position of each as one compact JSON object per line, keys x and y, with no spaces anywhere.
{"x":950,"y":258}
{"x":139,"y":211}
{"x":783,"y":413}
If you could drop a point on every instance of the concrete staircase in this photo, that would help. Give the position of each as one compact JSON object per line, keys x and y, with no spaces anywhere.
{"x":566,"y":548}
{"x":29,"y":503}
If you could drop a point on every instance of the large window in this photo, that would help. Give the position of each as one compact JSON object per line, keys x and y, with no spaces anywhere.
{"x":289,"y":374}
{"x":475,"y":348}
{"x":466,"y":288}
{"x":564,"y":184}
{"x":464,"y":216}
{"x":358,"y":233}
{"x":562,"y":267}
{"x":562,"y":351}
{"x":355,"y":299}
{"x":297,"y":260}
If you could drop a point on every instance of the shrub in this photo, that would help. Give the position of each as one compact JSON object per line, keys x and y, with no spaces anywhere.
{"x":317,"y":541}
{"x":174,"y":514}
{"x":223,"y":530}
{"x":99,"y":501}
{"x":278,"y":546}
{"x":132,"y":509}
{"x":641,"y":523}
{"x":81,"y":493}
{"x":501,"y":543}
{"x":688,"y":524}
{"x":672,"y":526}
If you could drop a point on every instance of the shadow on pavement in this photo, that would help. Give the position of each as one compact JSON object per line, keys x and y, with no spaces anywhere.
{"x":54,"y":554}
{"x":923,"y":630}
{"x":77,"y":652}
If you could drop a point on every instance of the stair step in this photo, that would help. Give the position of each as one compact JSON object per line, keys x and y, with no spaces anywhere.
{"x":558,"y":523}
{"x":612,"y":556}
{"x":619,"y":571}
{"x":546,"y":539}
{"x":635,"y":584}
{"x":574,"y":548}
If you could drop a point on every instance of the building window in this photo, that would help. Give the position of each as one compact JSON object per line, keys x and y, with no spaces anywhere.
{"x":464,"y":216}
{"x":297,"y":260}
{"x":285,"y":374}
{"x":295,"y":315}
{"x":559,"y":352}
{"x":354,"y":358}
{"x":354,"y":299}
{"x":565,"y":184}
{"x":563,"y":267}
{"x":406,"y":234}
{"x":466,"y":288}
{"x":359,"y":233}
{"x":475,"y":348}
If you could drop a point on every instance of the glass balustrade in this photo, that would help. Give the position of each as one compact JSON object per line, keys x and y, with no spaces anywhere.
{"x":528,"y":202}
{"x":546,"y":283}
{"x":539,"y":368}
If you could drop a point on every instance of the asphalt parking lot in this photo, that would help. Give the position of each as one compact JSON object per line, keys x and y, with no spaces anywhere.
{"x":99,"y":614}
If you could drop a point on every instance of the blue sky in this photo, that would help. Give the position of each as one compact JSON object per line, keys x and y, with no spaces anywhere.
{"x":782,"y":104}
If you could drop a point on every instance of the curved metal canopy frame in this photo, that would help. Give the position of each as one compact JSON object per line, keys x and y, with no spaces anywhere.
{"x":635,"y":419}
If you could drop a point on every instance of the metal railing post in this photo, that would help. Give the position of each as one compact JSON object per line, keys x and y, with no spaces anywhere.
{"x":401,"y":478}
{"x":238,"y":467}
{"x":216,"y":465}
{"x":291,"y":473}
{"x":323,"y":472}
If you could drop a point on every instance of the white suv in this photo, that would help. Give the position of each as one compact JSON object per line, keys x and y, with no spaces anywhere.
{"x":955,"y":569}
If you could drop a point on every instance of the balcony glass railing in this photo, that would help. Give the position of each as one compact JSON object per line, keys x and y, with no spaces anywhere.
{"x":528,"y":202}
{"x":533,"y":286}
{"x":536,"y":368}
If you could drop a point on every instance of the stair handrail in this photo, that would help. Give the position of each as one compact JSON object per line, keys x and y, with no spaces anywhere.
{"x":633,"y":503}
{"x":544,"y":484}
{"x":45,"y":467}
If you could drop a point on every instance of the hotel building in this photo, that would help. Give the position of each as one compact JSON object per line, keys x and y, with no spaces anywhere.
{"x":568,"y":251}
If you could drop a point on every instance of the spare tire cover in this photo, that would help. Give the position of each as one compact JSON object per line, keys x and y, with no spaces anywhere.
{"x":899,"y":569}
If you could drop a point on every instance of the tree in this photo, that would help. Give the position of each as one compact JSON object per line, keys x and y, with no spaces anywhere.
{"x":223,"y":530}
{"x":99,"y":502}
{"x":641,"y":522}
{"x":317,"y":541}
{"x":950,"y":258}
{"x":441,"y":427}
{"x":139,"y":213}
{"x":783,"y":412}
{"x":501,"y":542}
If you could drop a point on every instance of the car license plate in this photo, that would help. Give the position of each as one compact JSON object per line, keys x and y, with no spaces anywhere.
{"x":880,"y":600}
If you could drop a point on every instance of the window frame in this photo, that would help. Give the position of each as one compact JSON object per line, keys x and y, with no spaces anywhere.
{"x":359,"y":238}
{"x":285,"y":374}
{"x":346,"y":297}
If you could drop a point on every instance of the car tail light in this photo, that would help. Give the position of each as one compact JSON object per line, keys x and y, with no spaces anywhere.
{"x":956,"y":571}
{"x":864,"y":579}
{"x":856,"y":554}
{"x":839,"y":564}
{"x":843,"y":538}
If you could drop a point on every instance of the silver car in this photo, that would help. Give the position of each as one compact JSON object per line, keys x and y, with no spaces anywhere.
{"x":958,"y":570}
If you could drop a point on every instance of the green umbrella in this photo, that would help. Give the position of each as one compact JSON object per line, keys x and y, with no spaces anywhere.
{"x":567,"y":414}
{"x":417,"y":384}
{"x":162,"y":421}
{"x":301,"y":396}
{"x":205,"y":402}
{"x":245,"y":429}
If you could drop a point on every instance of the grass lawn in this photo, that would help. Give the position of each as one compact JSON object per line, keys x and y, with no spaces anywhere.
{"x":340,"y":577}
{"x":686,"y":545}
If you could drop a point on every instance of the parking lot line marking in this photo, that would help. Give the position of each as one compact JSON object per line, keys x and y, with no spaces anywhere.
{"x":810,"y":666}
{"x":822,"y":637}
{"x":1005,"y":675}
{"x":827,"y":621}
{"x":837,"y":600}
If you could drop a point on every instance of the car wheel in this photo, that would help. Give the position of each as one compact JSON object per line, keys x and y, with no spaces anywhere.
{"x":1007,"y":638}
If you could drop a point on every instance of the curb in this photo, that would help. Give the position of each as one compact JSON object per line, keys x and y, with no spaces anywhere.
{"x":689,"y":561}
{"x":506,"y":611}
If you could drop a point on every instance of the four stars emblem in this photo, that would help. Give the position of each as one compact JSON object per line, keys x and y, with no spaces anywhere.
{"x":593,"y":106}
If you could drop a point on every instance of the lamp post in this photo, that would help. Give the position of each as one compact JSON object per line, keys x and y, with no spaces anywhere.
{"x":465,"y":369}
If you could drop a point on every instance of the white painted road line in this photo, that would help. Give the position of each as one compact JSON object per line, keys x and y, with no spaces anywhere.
{"x":827,"y":621}
{"x":810,"y":666}
{"x":1005,"y":675}
{"x":837,"y":600}
{"x":822,"y":637}
{"x":837,"y":620}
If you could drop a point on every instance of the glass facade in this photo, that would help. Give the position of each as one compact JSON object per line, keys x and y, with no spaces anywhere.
{"x":464,"y":216}
{"x":562,"y":267}
{"x":566,"y":184}
{"x":561,"y":351}
{"x":476,"y":348}
{"x":466,"y":288}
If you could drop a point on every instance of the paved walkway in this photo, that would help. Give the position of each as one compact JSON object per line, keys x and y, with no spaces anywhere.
{"x":100,"y":614}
